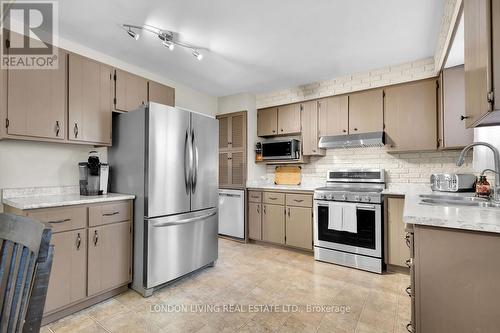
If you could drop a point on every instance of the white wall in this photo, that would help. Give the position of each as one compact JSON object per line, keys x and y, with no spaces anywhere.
{"x":242,"y":102}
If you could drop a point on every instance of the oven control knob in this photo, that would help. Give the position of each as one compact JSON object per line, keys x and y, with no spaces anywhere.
{"x":368,"y":199}
{"x":356,"y":198}
{"x":344,"y":197}
{"x":330,"y":197}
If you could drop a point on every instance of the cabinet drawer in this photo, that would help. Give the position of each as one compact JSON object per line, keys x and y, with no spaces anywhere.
{"x":254,"y":196}
{"x":299,"y":200}
{"x":110,"y":213}
{"x":274,"y":198}
{"x":62,"y":219}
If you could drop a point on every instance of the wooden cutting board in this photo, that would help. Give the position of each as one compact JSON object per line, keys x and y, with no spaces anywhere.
{"x":287,"y":175}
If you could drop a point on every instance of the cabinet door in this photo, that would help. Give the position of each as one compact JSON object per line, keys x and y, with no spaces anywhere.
{"x":109,"y":257}
{"x":333,"y":115}
{"x":397,"y":251}
{"x":237,"y":162}
{"x":90,"y":100}
{"x":477,"y":59}
{"x":366,"y":112}
{"x":224,"y":135}
{"x":267,"y":122}
{"x":238,"y":132}
{"x":411,"y":116}
{"x":160,"y":93}
{"x":224,"y":169}
{"x":289,"y":119}
{"x":273,"y":224}
{"x":310,"y":129}
{"x":68,"y":275}
{"x":36,"y":101}
{"x":299,"y":227}
{"x":254,"y":221}
{"x":131,"y":91}
{"x":453,"y":131}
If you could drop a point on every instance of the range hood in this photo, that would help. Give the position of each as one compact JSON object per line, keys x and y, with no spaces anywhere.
{"x":375,"y":139}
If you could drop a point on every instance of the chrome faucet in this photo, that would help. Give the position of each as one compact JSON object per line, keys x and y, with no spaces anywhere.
{"x":496,"y":155}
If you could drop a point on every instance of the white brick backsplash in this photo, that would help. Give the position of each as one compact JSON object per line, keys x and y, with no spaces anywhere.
{"x":414,"y":70}
{"x":400,"y":167}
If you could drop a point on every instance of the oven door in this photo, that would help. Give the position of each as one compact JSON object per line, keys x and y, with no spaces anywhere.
{"x":366,"y":241}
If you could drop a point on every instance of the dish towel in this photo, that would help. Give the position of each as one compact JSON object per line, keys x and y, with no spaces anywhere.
{"x":335,"y":216}
{"x":350,"y":218}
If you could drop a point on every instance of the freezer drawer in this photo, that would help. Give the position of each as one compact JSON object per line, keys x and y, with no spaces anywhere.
{"x":179,"y":244}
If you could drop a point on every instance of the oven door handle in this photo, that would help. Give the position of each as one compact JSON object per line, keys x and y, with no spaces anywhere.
{"x":372,"y":207}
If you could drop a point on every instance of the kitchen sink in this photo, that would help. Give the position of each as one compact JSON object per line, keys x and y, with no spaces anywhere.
{"x":457,"y":200}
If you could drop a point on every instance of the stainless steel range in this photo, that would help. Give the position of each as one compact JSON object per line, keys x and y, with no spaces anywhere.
{"x":348,"y":224}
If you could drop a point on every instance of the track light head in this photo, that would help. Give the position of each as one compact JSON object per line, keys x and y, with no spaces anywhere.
{"x":132,"y":34}
{"x":169,"y":44}
{"x":197,"y":55}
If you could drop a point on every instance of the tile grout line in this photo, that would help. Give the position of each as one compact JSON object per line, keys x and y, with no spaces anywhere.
{"x":99,"y":324}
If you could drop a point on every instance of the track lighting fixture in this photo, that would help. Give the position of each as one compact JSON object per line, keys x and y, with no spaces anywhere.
{"x":168,"y":38}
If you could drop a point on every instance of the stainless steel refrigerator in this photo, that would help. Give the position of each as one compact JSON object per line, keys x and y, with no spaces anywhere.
{"x":168,"y":158}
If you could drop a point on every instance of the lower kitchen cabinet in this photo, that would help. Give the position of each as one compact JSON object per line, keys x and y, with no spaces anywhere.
{"x":273,"y":224}
{"x":109,"y":262}
{"x":299,"y":227}
{"x":254,"y":221}
{"x":396,"y":251}
{"x":281,"y":218}
{"x":68,"y":277}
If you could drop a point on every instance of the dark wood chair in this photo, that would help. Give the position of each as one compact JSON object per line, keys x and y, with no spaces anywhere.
{"x":25,"y":262}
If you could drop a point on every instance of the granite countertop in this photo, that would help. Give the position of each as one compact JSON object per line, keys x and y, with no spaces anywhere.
{"x":45,"y":197}
{"x":266,"y":185}
{"x":456,"y":217}
{"x":406,"y":189}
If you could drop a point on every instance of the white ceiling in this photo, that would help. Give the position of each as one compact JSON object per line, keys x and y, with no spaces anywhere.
{"x":258,"y":45}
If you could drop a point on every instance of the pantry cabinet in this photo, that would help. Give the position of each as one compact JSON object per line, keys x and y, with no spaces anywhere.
{"x":281,"y":218}
{"x":310,"y":129}
{"x":232,"y":169}
{"x":232,"y":131}
{"x":366,"y":112}
{"x":482,"y":72}
{"x":411,"y":116}
{"x":334,"y":115}
{"x":36,"y":101}
{"x":90,"y":96}
{"x":452,"y":131}
{"x":131,"y":91}
{"x":161,"y":94}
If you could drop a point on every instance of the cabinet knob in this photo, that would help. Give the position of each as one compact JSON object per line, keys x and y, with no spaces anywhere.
{"x":314,"y":150}
{"x":464,"y":117}
{"x":274,"y":131}
{"x":355,"y":129}
{"x":281,"y":129}
{"x":344,"y":131}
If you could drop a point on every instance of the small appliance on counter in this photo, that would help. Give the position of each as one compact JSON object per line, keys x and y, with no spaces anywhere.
{"x":453,"y":182}
{"x":281,"y":150}
{"x":258,"y":151}
{"x":94,"y":176}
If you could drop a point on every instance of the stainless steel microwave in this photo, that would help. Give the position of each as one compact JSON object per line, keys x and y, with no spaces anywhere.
{"x":281,"y":150}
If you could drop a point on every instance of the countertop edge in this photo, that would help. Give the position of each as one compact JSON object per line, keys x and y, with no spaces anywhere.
{"x":115,"y":197}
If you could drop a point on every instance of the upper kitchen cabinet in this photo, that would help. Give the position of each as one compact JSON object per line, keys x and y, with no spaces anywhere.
{"x":310,"y":129}
{"x":482,"y":69}
{"x":267,"y":122}
{"x":160,"y":93}
{"x":411,"y":116}
{"x":333,"y":115}
{"x":36,"y":102}
{"x":282,"y":120}
{"x":366,"y":112}
{"x":90,"y":97}
{"x":131,"y":91}
{"x":289,"y":119}
{"x":232,"y":131}
{"x":452,"y":131}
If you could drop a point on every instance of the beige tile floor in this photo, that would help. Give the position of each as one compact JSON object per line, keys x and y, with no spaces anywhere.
{"x":249,"y":275}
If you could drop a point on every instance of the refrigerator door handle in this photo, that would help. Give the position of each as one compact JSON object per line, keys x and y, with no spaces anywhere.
{"x":187,"y":162}
{"x":195,"y":163}
{"x":184,"y":221}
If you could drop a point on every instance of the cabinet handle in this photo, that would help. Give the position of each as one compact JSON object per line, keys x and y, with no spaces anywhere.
{"x":274,"y":131}
{"x":58,"y":128}
{"x":96,"y":238}
{"x":264,"y":209}
{"x":408,"y":263}
{"x":271,"y":198}
{"x":288,"y":212}
{"x":408,"y":290}
{"x":60,"y":221}
{"x":314,"y":150}
{"x":110,"y":214}
{"x":78,"y":241}
{"x":255,"y":196}
{"x":75,"y":130}
{"x":409,"y":328}
{"x":258,"y":210}
{"x":407,"y":239}
{"x":464,"y":117}
{"x":298,"y":200}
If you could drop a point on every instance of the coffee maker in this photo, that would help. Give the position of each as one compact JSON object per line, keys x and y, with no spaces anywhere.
{"x":94,"y":176}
